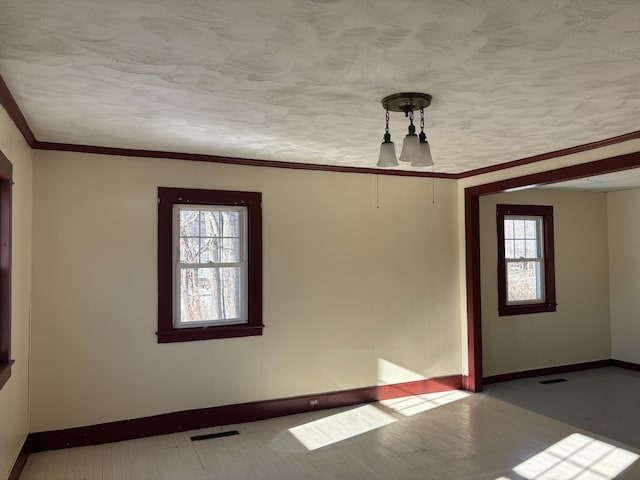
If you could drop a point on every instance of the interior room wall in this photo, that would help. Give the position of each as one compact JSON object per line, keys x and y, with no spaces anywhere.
{"x":624,"y":273}
{"x":360,"y":288}
{"x":14,"y":396}
{"x":579,"y":330}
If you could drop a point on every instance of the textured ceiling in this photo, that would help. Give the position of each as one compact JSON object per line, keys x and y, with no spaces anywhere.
{"x":301,"y":80}
{"x":609,"y":182}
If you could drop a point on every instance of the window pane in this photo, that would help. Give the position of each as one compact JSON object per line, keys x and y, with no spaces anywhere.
{"x":220,"y":250}
{"x":508,"y":228}
{"x":210,"y":223}
{"x":189,"y":223}
{"x":523,"y":281}
{"x":190,"y":250}
{"x":518,"y":229}
{"x":523,"y":235}
{"x":210,"y":236}
{"x":229,"y":299}
{"x":509,"y":249}
{"x":210,"y":250}
{"x":210,"y":294}
{"x":231,"y":250}
{"x":231,"y":224}
{"x":195,"y":294}
{"x":530,"y":228}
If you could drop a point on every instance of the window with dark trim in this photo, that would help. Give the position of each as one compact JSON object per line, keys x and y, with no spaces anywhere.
{"x":209,"y":264}
{"x":526,"y":275}
{"x":6,"y":172}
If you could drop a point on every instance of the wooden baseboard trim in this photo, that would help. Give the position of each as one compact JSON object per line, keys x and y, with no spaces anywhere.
{"x":20,"y":462}
{"x":419,"y":387}
{"x":538,"y":372}
{"x":230,"y":414}
{"x":627,"y":365}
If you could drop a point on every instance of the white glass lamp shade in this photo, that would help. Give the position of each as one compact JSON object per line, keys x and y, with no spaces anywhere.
{"x":387,"y":153}
{"x":424,"y":158}
{"x":410,"y":148}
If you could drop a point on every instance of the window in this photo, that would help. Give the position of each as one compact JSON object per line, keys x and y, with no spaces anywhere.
{"x":6,"y":170}
{"x":526,"y":277}
{"x":209,"y":264}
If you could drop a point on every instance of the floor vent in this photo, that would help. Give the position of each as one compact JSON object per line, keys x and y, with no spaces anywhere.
{"x":209,"y":436}
{"x":554,"y":380}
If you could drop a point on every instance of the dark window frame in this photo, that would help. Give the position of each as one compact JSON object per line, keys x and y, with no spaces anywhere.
{"x":6,"y":181}
{"x":549,"y":304}
{"x":167,"y":198}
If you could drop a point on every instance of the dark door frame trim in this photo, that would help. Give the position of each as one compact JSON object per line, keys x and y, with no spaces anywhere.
{"x":474,"y":380}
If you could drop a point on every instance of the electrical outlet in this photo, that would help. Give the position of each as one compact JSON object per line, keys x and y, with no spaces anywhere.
{"x":313,"y":402}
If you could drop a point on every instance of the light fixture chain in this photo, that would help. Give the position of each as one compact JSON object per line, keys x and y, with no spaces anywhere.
{"x":422,"y":119}
{"x":387,"y":122}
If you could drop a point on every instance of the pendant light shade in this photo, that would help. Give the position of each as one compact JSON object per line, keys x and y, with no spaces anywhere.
{"x":387,"y":155}
{"x":410,"y":146}
{"x":424,"y":157}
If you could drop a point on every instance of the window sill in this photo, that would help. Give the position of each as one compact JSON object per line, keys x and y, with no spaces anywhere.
{"x":5,"y":372}
{"x":208,"y":333}
{"x":526,"y":309}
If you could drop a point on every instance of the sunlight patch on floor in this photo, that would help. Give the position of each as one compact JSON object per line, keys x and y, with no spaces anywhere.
{"x":415,"y":404}
{"x":577,"y":457}
{"x":341,"y":426}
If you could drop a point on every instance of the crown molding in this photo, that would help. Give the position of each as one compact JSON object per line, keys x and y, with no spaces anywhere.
{"x":15,"y":114}
{"x":199,"y":157}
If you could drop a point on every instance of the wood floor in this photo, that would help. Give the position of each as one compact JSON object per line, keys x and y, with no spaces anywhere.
{"x":587,"y":427}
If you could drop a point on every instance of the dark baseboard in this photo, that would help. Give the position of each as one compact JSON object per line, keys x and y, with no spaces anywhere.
{"x":20,"y":462}
{"x":230,"y":414}
{"x":418,"y":387}
{"x":627,"y":365}
{"x":538,"y":372}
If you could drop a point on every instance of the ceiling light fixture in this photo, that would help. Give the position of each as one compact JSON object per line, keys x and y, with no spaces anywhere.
{"x":415,"y":148}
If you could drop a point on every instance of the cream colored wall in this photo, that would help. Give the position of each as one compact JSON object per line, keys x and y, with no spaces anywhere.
{"x":579,"y":330}
{"x":14,"y":396}
{"x":624,"y":273}
{"x":354,"y":295}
